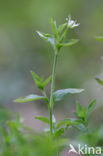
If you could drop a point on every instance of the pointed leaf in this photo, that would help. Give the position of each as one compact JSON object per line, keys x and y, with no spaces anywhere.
{"x":47,"y":81}
{"x":59,"y":94}
{"x":63,"y":35}
{"x":59,"y":132}
{"x":54,"y":28}
{"x":100,"y":38}
{"x":90,"y":108}
{"x":37,"y":80}
{"x":69,"y":122}
{"x":47,"y":37}
{"x":43,"y":119}
{"x":78,"y":108}
{"x":61,"y":27}
{"x":29,"y":98}
{"x":69,"y":43}
{"x":99,"y":81}
{"x":83,"y":113}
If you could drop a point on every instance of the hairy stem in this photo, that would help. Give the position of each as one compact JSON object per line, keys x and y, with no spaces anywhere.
{"x":51,"y":95}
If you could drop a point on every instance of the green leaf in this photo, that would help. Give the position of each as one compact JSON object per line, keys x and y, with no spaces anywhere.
{"x":40,"y":81}
{"x":90,"y":108}
{"x":78,"y":108}
{"x":54,"y":28}
{"x":47,"y":37}
{"x":59,"y":132}
{"x":63,"y":35}
{"x":37,"y":80}
{"x":81,"y":127}
{"x":69,"y":43}
{"x":99,"y":81}
{"x":59,"y":94}
{"x":69,"y":122}
{"x":29,"y":98}
{"x":83,"y":113}
{"x":47,"y":81}
{"x":100,"y":38}
{"x":43,"y":119}
{"x":61,"y":27}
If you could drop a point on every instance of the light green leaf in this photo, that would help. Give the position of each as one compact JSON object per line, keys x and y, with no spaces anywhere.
{"x":69,"y":43}
{"x":83,"y":113}
{"x":40,"y":81}
{"x":54,"y":28}
{"x":99,"y":81}
{"x":90,"y":108}
{"x":37,"y":80}
{"x":47,"y":37}
{"x":43,"y":119}
{"x":63,"y":35}
{"x":61,"y":27}
{"x":47,"y":81}
{"x":100,"y":38}
{"x":59,"y":94}
{"x":78,"y":108}
{"x":69,"y":122}
{"x":29,"y":98}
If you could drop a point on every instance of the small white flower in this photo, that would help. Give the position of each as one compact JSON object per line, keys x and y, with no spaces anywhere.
{"x":71,"y":23}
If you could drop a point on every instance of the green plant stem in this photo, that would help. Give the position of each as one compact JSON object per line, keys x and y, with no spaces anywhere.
{"x":51,"y":95}
{"x":47,"y":100}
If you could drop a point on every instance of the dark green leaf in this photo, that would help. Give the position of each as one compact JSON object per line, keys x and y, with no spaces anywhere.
{"x":59,"y":95}
{"x":29,"y":98}
{"x":100,"y":38}
{"x":69,"y":43}
{"x":43,"y":119}
{"x":59,"y":132}
{"x":99,"y":81}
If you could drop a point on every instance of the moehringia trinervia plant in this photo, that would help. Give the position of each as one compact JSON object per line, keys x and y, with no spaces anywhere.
{"x":57,"y":41}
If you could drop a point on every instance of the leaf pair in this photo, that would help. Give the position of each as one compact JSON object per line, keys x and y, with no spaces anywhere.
{"x":83,"y":113}
{"x":41,"y":84}
{"x":68,"y":123}
{"x":81,"y":121}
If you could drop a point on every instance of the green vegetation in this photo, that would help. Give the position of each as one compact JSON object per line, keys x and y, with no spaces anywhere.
{"x":16,"y":139}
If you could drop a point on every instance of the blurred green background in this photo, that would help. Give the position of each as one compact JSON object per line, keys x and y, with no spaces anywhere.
{"x":21,"y":50}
